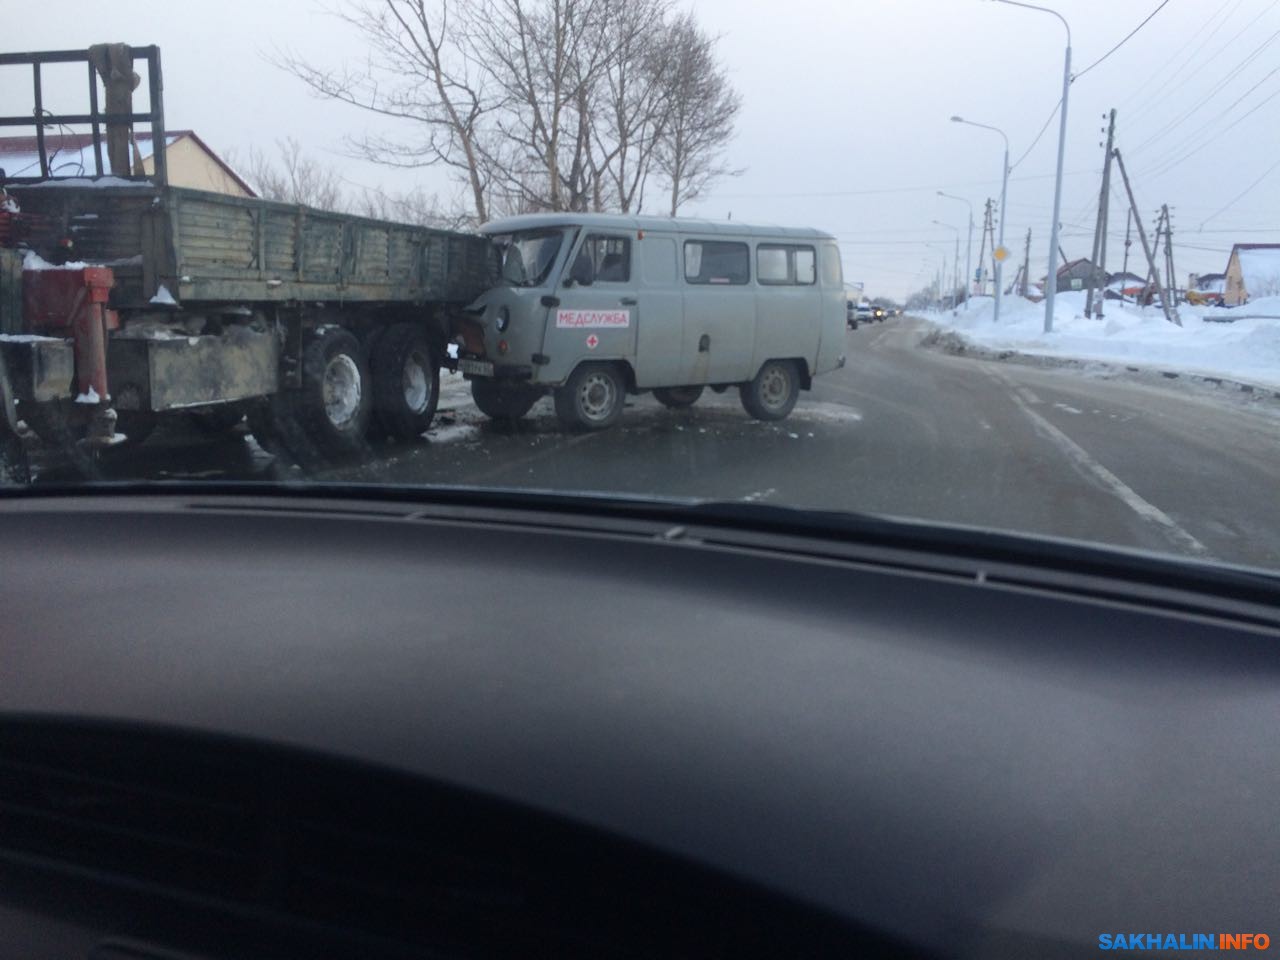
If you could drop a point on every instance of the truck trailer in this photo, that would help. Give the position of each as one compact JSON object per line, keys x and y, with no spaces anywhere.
{"x":125,"y":299}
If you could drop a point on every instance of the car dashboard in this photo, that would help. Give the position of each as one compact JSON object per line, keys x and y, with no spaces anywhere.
{"x":284,"y":723}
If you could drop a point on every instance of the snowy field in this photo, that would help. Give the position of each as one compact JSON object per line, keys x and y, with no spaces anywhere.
{"x":1246,"y":349}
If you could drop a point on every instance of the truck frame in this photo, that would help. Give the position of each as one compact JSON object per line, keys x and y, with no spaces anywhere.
{"x":140,"y":300}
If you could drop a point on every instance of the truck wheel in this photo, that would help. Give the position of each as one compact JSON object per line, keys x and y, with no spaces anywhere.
{"x":406,"y":382}
{"x":335,"y":402}
{"x":677,"y":397}
{"x":593,"y":397}
{"x":499,"y":402}
{"x":773,"y":392}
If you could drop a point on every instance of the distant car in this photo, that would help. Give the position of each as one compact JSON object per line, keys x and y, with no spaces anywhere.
{"x":879,"y":313}
{"x":851,"y":315}
{"x":864,"y":313}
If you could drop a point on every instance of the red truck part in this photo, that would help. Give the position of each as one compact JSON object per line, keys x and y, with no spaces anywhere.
{"x":72,"y":302}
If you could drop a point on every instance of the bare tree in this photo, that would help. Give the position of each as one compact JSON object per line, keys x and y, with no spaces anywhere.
{"x":703,"y":111}
{"x":420,"y":69}
{"x":295,"y":178}
{"x":539,"y":104}
{"x":632,"y":102}
{"x":545,"y":57}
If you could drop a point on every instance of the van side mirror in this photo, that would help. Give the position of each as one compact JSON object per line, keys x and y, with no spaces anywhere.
{"x":583,"y":271}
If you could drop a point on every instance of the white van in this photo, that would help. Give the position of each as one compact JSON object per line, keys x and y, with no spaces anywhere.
{"x":593,"y":306}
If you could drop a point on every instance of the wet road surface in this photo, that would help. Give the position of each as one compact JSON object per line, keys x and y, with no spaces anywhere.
{"x":902,"y":430}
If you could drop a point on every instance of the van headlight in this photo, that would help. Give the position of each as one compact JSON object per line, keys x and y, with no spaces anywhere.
{"x":504,"y":319}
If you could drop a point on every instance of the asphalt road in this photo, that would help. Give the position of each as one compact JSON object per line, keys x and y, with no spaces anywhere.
{"x":1126,"y":459}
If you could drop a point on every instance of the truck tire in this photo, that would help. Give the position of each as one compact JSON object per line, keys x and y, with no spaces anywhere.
{"x":336,"y":400}
{"x":406,"y":382}
{"x":773,"y":392}
{"x":498,"y":402}
{"x":677,"y":398}
{"x":593,"y":397}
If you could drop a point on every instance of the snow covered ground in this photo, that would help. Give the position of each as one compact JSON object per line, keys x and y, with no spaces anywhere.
{"x":1246,"y":349}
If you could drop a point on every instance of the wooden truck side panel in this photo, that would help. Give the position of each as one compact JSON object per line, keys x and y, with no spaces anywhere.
{"x":213,"y":248}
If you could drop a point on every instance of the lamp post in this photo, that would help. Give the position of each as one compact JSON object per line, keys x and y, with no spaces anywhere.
{"x":1004,"y":192}
{"x":956,"y":261}
{"x":1051,"y":279}
{"x":968,"y":250}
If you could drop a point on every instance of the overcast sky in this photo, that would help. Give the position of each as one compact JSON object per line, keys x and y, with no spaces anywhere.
{"x":845,"y":114}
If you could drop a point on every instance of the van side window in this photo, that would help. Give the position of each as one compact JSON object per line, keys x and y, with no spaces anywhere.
{"x":784,"y":264}
{"x":716,"y":261}
{"x":611,"y":257}
{"x":832,"y":275}
{"x":771,"y":265}
{"x":806,"y":265}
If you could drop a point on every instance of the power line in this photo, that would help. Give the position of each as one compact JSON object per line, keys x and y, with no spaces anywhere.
{"x":932,"y":187}
{"x":1056,"y":108}
{"x":1175,"y":59}
{"x":1161,"y":170}
{"x":1189,"y":75}
{"x":1128,"y":37}
{"x":1238,"y":196}
{"x":1173,"y":125}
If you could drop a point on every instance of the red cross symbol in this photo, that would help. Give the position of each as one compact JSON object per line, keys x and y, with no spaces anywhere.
{"x":593,"y":341}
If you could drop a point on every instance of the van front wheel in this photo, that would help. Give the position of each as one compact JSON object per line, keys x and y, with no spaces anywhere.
{"x":502,"y":402}
{"x":773,"y":392}
{"x":677,"y":397}
{"x":593,"y":397}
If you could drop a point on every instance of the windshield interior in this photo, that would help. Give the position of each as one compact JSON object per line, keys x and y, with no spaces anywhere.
{"x":527,"y":257}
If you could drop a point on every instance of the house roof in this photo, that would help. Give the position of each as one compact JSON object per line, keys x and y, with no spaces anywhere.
{"x":1259,"y":268}
{"x":1072,"y":264}
{"x":71,"y":154}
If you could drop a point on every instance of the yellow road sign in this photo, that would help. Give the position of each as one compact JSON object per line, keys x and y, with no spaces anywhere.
{"x":1001,"y":253}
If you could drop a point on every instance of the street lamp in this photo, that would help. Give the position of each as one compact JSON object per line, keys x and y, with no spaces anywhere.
{"x":968,"y":250}
{"x":1004,"y":192}
{"x":1051,"y":279}
{"x":955,"y":282}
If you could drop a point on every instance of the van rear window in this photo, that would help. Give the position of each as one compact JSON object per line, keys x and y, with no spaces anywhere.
{"x":716,"y":261}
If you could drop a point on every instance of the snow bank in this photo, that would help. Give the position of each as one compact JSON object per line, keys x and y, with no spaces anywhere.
{"x":1246,"y":349}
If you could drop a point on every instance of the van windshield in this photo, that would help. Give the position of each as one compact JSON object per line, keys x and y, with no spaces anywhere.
{"x":527,"y":257}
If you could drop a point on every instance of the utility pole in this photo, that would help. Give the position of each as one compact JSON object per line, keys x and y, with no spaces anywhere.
{"x":1026,"y":264}
{"x":1100,"y":229}
{"x":1170,"y":313}
{"x":1128,"y":242}
{"x":987,"y":230}
{"x":1171,"y":278}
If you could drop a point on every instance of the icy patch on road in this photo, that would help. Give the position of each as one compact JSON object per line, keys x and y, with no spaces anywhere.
{"x":453,"y":432}
{"x":827,"y":412}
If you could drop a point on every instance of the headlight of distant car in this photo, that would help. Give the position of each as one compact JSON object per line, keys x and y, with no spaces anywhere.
{"x":504,"y":319}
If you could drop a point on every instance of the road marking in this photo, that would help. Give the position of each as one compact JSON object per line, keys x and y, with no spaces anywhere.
{"x":1127,"y":495}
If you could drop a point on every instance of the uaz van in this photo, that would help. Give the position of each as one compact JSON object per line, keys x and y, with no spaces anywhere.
{"x":592,"y":307}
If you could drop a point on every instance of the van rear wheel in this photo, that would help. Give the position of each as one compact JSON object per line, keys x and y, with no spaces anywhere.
{"x":677,"y":397}
{"x":593,"y":397}
{"x":773,"y":392}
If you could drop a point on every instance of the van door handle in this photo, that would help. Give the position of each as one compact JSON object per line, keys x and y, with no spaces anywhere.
{"x":629,"y":301}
